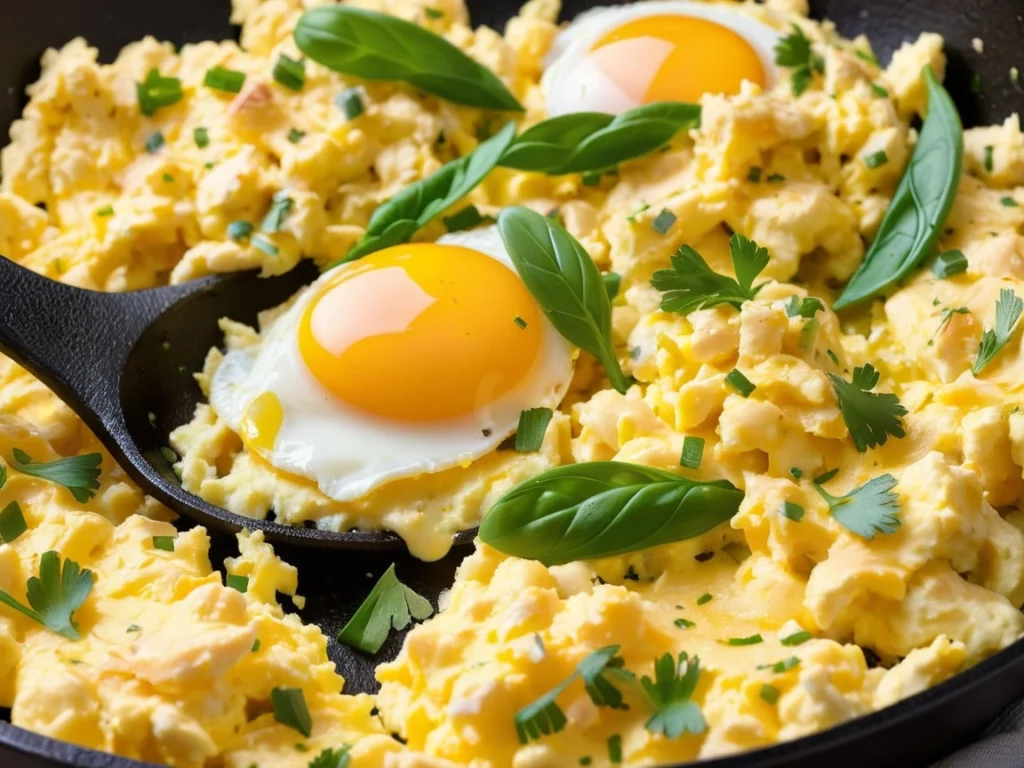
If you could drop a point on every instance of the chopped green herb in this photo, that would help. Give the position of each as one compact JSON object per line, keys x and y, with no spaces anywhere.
{"x":867,"y":56}
{"x":12,"y":523}
{"x":156,"y":92}
{"x":1014,"y":75}
{"x":792,"y":511}
{"x":876,"y":159}
{"x":290,"y":709}
{"x":871,"y":417}
{"x":164,"y":543}
{"x":781,"y":666}
{"x":612,"y":281}
{"x":290,"y":73}
{"x":797,"y":638}
{"x":201,"y":136}
{"x":467,"y":218}
{"x":79,"y":474}
{"x":615,"y":749}
{"x":642,"y":207}
{"x":256,"y":645}
{"x":533,"y":425}
{"x":1008,"y":310}
{"x":1009,"y":202}
{"x":221,"y":79}
{"x":693,"y":452}
{"x":333,"y":758}
{"x":133,"y":628}
{"x":154,"y":142}
{"x":866,"y":510}
{"x":390,"y":604}
{"x":591,"y":178}
{"x":350,"y":102}
{"x":520,"y":322}
{"x":663,"y":221}
{"x":947,"y":315}
{"x":237,"y":583}
{"x":809,"y":333}
{"x":433,"y":13}
{"x":682,"y":623}
{"x":106,"y":210}
{"x":168,"y":179}
{"x":280,"y":208}
{"x":832,"y":356}
{"x":754,"y":174}
{"x":776,"y":178}
{"x":670,"y":694}
{"x":794,"y":51}
{"x":949,"y":263}
{"x":239,"y":230}
{"x":264,"y":245}
{"x":806,"y":307}
{"x":826,"y":476}
{"x":879,"y":91}
{"x":770,"y":694}
{"x":975,"y":83}
{"x":740,"y":383}
{"x":295,"y":135}
{"x":690,"y":284}
{"x":751,"y":640}
{"x":705,"y":598}
{"x":796,"y":472}
{"x":989,"y":149}
{"x":54,"y":595}
{"x":585,"y":760}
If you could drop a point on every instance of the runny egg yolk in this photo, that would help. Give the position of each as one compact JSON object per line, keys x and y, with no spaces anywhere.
{"x":421,"y":332}
{"x":261,"y":423}
{"x":676,"y":58}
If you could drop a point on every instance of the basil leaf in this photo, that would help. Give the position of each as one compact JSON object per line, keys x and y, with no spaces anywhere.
{"x":604,"y":508}
{"x":914,"y":219}
{"x":375,"y":46}
{"x":592,"y":141}
{"x":410,"y":210}
{"x":566,"y":283}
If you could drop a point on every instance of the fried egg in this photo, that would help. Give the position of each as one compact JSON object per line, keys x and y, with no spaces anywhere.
{"x":613,"y":59}
{"x":414,"y":359}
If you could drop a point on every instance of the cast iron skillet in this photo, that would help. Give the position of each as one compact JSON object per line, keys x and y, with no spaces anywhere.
{"x":913,"y":733}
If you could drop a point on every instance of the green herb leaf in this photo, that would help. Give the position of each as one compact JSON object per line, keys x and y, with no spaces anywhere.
{"x":754,"y":174}
{"x":794,"y":51}
{"x":879,"y":91}
{"x":290,"y":73}
{"x":806,"y":307}
{"x":915,"y":217}
{"x":604,"y":508}
{"x":201,"y":136}
{"x":693,"y":452}
{"x":797,"y":638}
{"x":684,"y":623}
{"x":589,"y":142}
{"x":295,"y":135}
{"x":770,"y":694}
{"x":236,"y":582}
{"x":544,"y":717}
{"x":332,"y":758}
{"x":989,"y":151}
{"x":1008,"y":202}
{"x":418,"y":204}
{"x":163,"y":543}
{"x":55,"y":595}
{"x":290,"y":709}
{"x":350,"y":102}
{"x":533,"y":424}
{"x":79,"y":474}
{"x":156,"y":92}
{"x":663,"y":221}
{"x":154,"y":142}
{"x":612,"y":282}
{"x":751,"y":640}
{"x":615,"y":749}
{"x":868,"y":509}
{"x":740,"y":383}
{"x":566,"y":283}
{"x":376,"y":46}
{"x":12,"y":522}
{"x":691,"y":284}
{"x":221,"y":79}
{"x":870,"y":416}
{"x":949,"y":263}
{"x":675,"y":712}
{"x":280,"y":208}
{"x":262,"y":244}
{"x":1008,"y":311}
{"x":781,"y":666}
{"x":876,"y":159}
{"x":239,"y":230}
{"x":792,"y":511}
{"x":705,"y":598}
{"x":467,"y":218}
{"x":390,"y":604}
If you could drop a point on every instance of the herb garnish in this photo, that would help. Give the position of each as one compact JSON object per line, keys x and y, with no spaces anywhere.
{"x":792,"y":511}
{"x":533,"y":425}
{"x":201,"y":136}
{"x":12,"y":522}
{"x":163,"y":543}
{"x":693,"y":452}
{"x":289,"y":72}
{"x":1008,"y":310}
{"x":389,"y":604}
{"x":157,"y":91}
{"x":949,"y":263}
{"x":675,"y":712}
{"x":612,"y":281}
{"x":236,"y":582}
{"x":280,"y":208}
{"x":376,"y":46}
{"x":749,"y":640}
{"x":221,"y":79}
{"x":332,"y":758}
{"x":663,"y":221}
{"x":290,"y":709}
{"x":794,"y":51}
{"x":604,"y":508}
{"x":805,"y":307}
{"x":79,"y":474}
{"x":740,"y":383}
{"x":870,"y":416}
{"x":350,"y":102}
{"x":769,"y":693}
{"x":467,"y":218}
{"x":54,"y":595}
{"x":866,"y":510}
{"x":781,"y":666}
{"x":797,"y":638}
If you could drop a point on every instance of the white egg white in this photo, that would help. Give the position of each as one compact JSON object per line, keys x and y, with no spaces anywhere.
{"x":573,"y":83}
{"x":349,"y":452}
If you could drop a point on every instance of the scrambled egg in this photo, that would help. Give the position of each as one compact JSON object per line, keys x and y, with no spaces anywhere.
{"x":175,"y":667}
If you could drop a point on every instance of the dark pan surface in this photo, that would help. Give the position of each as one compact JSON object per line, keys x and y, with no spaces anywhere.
{"x":913,"y":733}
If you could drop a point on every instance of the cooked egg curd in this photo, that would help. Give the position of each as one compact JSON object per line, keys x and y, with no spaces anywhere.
{"x":799,"y":622}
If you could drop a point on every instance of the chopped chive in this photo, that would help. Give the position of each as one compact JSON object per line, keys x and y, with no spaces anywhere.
{"x":754,"y":174}
{"x":806,"y":307}
{"x":280,"y":208}
{"x":237,"y":583}
{"x":156,"y":92}
{"x":949,"y":263}
{"x":163,"y":543}
{"x":134,"y":628}
{"x":640,"y":209}
{"x":467,"y":218}
{"x":239,"y":230}
{"x":792,"y":511}
{"x":705,"y":598}
{"x":988,"y":158}
{"x":168,"y":179}
{"x":797,"y":638}
{"x":776,"y":178}
{"x":350,"y":102}
{"x":433,"y":13}
{"x":154,"y":142}
{"x":693,"y":452}
{"x":879,"y":91}
{"x":520,"y":322}
{"x":612,"y":282}
{"x":796,"y":472}
{"x":290,"y":709}
{"x":166,"y":452}
{"x":221,"y":79}
{"x":876,"y":159}
{"x":870,"y":58}
{"x":751,"y":640}
{"x":533,"y":424}
{"x":770,"y":694}
{"x":1009,"y":202}
{"x":781,"y":666}
{"x":740,"y":383}
{"x":201,"y":136}
{"x":615,"y":749}
{"x":12,"y":523}
{"x":106,"y":210}
{"x":256,"y":644}
{"x":290,"y":73}
{"x":663,"y":221}
{"x":295,"y":135}
{"x":682,"y":623}
{"x":824,"y":478}
{"x":809,"y":333}
{"x":264,"y":245}
{"x":832,"y":356}
{"x":585,"y":760}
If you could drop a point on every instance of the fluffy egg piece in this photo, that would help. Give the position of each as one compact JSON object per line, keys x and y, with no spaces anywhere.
{"x":413,"y":359}
{"x":613,"y":59}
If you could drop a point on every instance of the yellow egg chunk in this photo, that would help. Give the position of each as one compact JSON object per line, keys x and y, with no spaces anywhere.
{"x":792,"y":619}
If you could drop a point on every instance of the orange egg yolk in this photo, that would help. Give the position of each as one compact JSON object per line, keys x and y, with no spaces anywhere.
{"x":676,"y":58}
{"x":421,"y":332}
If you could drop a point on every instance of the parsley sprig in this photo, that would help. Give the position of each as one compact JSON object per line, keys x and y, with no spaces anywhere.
{"x":691,"y":284}
{"x":675,"y":712}
{"x":870,"y":416}
{"x":79,"y":474}
{"x":598,"y":670}
{"x":54,"y":595}
{"x":795,"y":51}
{"x":389,"y":604}
{"x":332,"y":758}
{"x":867,"y":509}
{"x":1008,"y":311}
